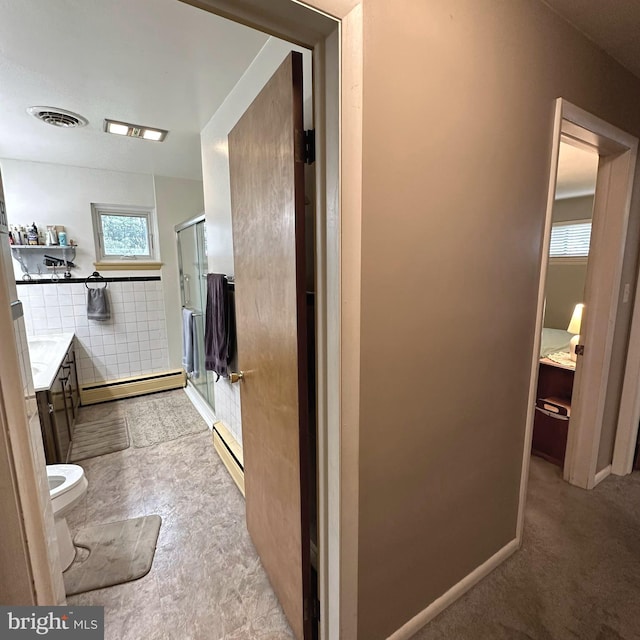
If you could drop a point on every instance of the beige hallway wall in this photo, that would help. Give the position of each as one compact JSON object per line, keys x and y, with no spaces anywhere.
{"x":458,"y":114}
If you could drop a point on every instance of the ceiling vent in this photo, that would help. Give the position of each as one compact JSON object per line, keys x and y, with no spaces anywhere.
{"x":58,"y":117}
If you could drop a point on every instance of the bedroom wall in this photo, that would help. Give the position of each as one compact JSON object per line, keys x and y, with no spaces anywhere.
{"x":441,"y":444}
{"x":568,"y":209}
{"x":566,"y":278}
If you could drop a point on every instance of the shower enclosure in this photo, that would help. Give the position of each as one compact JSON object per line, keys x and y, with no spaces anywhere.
{"x":192,"y":263}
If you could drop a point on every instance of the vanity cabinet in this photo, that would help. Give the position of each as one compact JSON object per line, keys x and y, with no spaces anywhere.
{"x":58,"y":408}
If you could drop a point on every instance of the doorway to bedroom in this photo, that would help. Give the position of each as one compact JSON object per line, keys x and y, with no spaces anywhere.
{"x":568,"y":257}
{"x":577,"y":408}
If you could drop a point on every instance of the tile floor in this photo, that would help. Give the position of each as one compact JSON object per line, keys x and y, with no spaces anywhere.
{"x":206,"y":582}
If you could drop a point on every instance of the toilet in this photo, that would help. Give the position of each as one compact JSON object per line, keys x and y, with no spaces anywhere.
{"x":67,"y":485}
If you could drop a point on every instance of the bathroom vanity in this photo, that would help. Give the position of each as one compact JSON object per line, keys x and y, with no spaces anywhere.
{"x":55,"y":380}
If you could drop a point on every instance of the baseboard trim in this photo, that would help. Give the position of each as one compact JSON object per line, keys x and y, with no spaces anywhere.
{"x":228,"y":452}
{"x":200,"y":404}
{"x":416,"y":623}
{"x":601,"y":475}
{"x":95,"y":393}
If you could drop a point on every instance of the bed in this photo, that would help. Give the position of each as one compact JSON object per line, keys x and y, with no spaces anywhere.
{"x":554,"y":340}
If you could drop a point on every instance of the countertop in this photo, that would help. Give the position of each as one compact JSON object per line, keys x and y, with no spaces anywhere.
{"x":47,"y":353}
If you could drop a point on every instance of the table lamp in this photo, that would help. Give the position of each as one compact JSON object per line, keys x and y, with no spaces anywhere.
{"x":574,"y":327}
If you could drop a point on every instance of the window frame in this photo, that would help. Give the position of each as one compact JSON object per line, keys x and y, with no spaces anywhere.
{"x":98,"y":210}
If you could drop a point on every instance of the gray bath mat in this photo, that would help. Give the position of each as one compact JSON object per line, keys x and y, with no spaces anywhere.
{"x":113,"y":553}
{"x":156,"y":420}
{"x":91,"y":439}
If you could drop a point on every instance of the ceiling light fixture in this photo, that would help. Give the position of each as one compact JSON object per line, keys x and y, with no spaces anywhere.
{"x":134,"y":130}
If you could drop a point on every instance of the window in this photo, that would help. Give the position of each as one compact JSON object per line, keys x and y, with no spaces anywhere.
{"x":570,"y":239}
{"x":123,"y":233}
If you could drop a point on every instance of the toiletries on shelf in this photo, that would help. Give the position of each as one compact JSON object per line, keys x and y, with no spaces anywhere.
{"x":54,"y":235}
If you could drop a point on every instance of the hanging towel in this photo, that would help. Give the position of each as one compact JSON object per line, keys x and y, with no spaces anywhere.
{"x":217,"y":327}
{"x":190,"y":347}
{"x":98,"y":304}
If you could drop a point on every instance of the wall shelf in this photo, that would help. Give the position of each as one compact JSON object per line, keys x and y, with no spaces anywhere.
{"x":36,"y":259}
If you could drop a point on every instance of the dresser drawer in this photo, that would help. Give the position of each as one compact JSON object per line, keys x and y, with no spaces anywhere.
{"x":550,"y":436}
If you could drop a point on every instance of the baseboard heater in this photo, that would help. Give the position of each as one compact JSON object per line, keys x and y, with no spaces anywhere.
{"x":131,"y":387}
{"x":230,"y":453}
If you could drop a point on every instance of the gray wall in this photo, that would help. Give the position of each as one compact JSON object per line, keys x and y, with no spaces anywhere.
{"x":564,"y":290}
{"x":458,"y":115}
{"x":566,"y":279}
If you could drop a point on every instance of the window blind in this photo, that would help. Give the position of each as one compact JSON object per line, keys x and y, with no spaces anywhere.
{"x":570,"y":239}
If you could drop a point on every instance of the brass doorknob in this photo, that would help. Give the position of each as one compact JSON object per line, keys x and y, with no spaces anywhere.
{"x":236,"y":377}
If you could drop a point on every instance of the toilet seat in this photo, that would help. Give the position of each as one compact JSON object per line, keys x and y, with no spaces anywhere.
{"x":71,"y":475}
{"x":67,"y":486}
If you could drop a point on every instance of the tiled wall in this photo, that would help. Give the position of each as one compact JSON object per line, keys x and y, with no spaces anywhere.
{"x":227,"y":410}
{"x":37,"y":452}
{"x":131,"y":343}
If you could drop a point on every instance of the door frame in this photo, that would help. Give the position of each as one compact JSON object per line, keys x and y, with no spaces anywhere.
{"x":333,"y":30}
{"x":617,"y":150}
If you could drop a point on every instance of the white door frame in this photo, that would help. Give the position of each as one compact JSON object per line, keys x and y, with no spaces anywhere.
{"x":629,"y":415}
{"x":332,"y":29}
{"x":617,"y":150}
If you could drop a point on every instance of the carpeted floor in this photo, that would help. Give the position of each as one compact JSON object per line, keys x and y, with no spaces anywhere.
{"x":577,"y":576}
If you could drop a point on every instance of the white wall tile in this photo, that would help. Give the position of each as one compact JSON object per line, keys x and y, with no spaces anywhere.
{"x":132,"y":342}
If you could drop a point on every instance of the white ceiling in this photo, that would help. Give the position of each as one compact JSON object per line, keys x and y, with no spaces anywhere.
{"x":160,"y":63}
{"x":577,"y":172}
{"x":613,"y":25}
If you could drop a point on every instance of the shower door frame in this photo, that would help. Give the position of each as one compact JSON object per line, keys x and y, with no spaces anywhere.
{"x":183,"y":226}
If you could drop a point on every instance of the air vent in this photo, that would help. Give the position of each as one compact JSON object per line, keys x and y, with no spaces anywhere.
{"x":58,"y":117}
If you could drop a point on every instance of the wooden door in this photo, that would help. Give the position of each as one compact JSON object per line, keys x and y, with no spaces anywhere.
{"x":267,"y":198}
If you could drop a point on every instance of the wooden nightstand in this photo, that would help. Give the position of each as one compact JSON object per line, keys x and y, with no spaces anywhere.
{"x":553,"y":411}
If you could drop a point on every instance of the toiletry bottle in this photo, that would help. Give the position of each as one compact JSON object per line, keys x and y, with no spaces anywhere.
{"x":52,"y":236}
{"x":62,"y":238}
{"x":32,"y":235}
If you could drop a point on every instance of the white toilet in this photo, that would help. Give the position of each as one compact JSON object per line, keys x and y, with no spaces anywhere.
{"x":67,"y":485}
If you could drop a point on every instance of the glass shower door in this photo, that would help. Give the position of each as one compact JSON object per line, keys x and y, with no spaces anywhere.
{"x":192,"y":261}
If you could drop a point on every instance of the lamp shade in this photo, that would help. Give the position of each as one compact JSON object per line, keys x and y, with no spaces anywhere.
{"x":576,"y":319}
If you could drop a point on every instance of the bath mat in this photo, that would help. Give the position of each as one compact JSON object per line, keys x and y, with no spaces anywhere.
{"x":156,"y":420}
{"x":91,"y":439}
{"x":117,"y":552}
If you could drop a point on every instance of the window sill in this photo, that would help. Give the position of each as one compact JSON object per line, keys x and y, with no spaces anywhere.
{"x":568,"y":260}
{"x":128,"y":265}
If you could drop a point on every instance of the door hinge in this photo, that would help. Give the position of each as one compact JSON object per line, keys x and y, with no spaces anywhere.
{"x":310,"y":146}
{"x":579,"y":349}
{"x":305,"y":143}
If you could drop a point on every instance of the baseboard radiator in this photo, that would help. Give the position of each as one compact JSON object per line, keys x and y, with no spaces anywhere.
{"x":230,"y":453}
{"x":130,"y":387}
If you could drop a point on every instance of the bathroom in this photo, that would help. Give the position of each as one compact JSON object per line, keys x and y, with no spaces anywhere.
{"x":67,"y":177}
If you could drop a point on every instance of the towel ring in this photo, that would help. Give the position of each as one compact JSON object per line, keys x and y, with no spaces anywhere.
{"x":92,"y":278}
